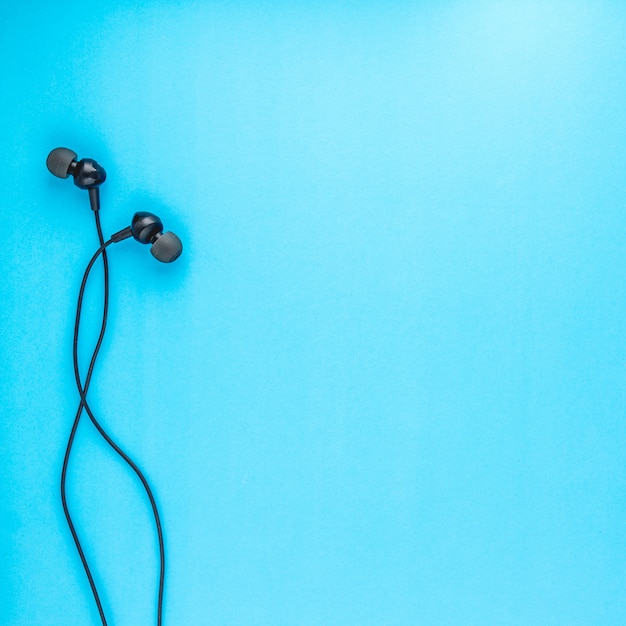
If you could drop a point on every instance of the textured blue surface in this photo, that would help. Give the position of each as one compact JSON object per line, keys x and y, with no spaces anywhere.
{"x":385,"y":384}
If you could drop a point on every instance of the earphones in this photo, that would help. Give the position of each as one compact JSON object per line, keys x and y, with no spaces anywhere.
{"x":145,"y":227}
{"x":166,"y":247}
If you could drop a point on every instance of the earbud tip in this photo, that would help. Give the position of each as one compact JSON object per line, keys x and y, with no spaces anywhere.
{"x":59,"y":161}
{"x":167,"y":248}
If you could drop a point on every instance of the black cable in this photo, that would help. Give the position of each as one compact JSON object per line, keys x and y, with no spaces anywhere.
{"x":85,"y":405}
{"x":101,"y":430}
{"x":68,"y":448}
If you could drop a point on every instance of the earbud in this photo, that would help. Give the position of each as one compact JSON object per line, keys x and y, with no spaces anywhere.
{"x":148,"y":228}
{"x":87,"y":173}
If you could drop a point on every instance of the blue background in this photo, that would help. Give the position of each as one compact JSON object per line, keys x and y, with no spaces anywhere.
{"x":385,"y":383}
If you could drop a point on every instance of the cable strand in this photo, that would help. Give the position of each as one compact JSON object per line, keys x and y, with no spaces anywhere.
{"x":119,"y":450}
{"x":70,"y":442}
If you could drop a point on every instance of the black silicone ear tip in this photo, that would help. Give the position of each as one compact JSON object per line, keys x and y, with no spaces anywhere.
{"x":167,"y":248}
{"x":59,"y":161}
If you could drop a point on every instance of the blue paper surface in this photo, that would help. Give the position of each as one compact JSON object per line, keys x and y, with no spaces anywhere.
{"x":385,"y":383}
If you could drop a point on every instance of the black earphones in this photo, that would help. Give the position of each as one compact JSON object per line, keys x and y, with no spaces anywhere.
{"x":165,"y":247}
{"x":87,"y":173}
{"x":148,"y":228}
{"x":145,"y":227}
